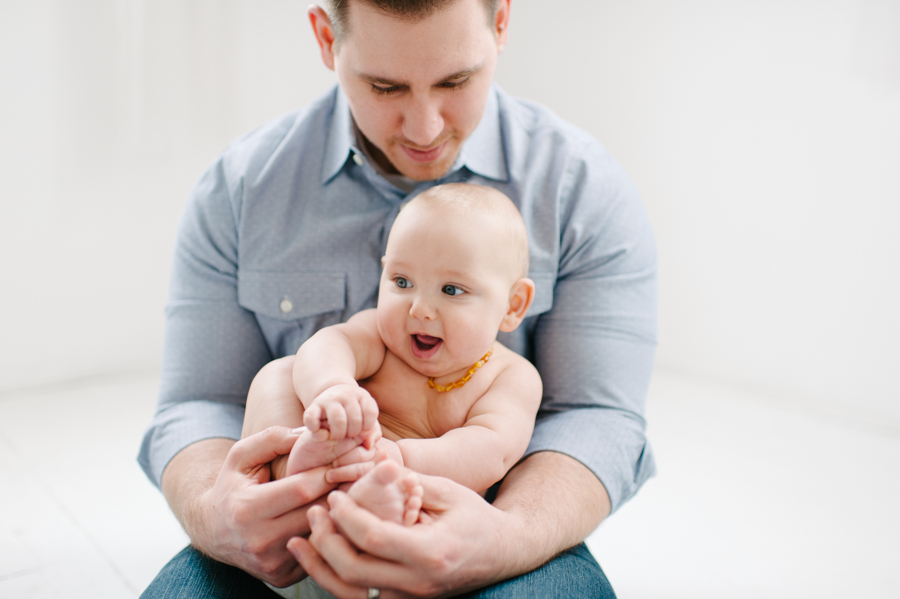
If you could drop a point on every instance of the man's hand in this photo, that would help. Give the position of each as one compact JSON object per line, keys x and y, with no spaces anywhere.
{"x":351,"y":466}
{"x":547,"y":504}
{"x":426,"y":559}
{"x":220,"y":492}
{"x":341,"y":411}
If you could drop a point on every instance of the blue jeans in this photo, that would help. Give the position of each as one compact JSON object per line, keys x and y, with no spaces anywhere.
{"x":573,"y":574}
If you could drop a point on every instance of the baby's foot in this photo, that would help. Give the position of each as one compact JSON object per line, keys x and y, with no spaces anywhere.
{"x":309,"y":453}
{"x":391,"y":492}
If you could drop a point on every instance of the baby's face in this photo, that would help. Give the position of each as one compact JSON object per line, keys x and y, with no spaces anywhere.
{"x":445,"y":289}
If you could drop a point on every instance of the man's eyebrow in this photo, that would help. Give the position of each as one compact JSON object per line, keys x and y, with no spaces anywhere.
{"x":393,"y":83}
{"x":461,"y":74}
{"x":379,"y":80}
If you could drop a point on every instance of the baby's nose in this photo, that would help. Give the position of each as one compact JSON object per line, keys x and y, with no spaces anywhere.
{"x":422,"y":309}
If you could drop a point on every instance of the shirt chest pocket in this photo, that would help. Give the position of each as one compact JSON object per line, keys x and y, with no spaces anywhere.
{"x":291,"y":306}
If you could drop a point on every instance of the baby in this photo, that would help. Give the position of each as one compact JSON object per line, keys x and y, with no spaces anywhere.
{"x":420,"y":383}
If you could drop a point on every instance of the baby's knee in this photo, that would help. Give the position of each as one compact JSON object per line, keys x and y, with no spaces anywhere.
{"x":280,"y":368}
{"x":276,"y":373}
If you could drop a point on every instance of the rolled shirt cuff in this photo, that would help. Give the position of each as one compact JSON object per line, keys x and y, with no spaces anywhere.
{"x":609,"y":442}
{"x":182,"y":424}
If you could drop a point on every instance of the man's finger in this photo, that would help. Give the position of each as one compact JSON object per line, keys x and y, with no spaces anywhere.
{"x":354,"y":456}
{"x":381,"y":539}
{"x":291,"y":492}
{"x":263,"y":447}
{"x":296,"y":522}
{"x":349,"y":473}
{"x":438,"y":492}
{"x":351,"y":565}
{"x":320,"y":571}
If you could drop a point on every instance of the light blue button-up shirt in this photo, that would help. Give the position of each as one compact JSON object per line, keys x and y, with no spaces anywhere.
{"x":284,"y":235}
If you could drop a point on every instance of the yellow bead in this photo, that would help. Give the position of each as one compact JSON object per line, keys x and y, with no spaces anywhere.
{"x":463,"y":380}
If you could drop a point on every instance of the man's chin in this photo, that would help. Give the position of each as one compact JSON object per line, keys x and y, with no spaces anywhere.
{"x":428,"y":171}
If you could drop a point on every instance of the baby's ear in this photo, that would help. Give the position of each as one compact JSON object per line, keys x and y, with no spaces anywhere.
{"x":520,"y":297}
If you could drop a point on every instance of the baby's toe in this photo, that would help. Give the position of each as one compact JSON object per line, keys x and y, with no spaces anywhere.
{"x":411,"y":510}
{"x":408,"y":482}
{"x":387,"y":472}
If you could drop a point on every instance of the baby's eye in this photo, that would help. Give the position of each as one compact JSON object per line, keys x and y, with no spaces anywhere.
{"x":402,"y":283}
{"x":452,"y":290}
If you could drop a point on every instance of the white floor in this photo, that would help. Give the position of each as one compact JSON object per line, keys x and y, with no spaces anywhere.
{"x":752,"y":499}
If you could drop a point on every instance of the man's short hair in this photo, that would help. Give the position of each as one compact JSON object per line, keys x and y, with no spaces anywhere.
{"x":407,"y":10}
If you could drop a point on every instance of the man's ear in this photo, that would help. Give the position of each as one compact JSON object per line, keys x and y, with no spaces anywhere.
{"x":501,"y":24}
{"x":520,"y":298}
{"x":321,"y":25}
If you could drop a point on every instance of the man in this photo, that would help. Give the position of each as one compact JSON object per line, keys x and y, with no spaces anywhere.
{"x":284,"y":235}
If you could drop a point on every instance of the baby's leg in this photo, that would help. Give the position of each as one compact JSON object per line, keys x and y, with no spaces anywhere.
{"x":389,"y":491}
{"x":271,"y":400}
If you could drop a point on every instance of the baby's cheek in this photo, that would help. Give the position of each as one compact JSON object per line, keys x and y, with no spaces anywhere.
{"x":392,"y":331}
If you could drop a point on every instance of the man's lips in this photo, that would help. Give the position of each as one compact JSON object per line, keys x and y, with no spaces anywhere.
{"x":425,"y":346}
{"x":424,"y":155}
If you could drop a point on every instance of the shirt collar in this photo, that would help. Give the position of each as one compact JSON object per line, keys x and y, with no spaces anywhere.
{"x":339,"y":144}
{"x":483,"y":153}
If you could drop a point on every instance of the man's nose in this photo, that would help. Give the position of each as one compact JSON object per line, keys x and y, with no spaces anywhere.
{"x":422,"y":309}
{"x":423,"y":123}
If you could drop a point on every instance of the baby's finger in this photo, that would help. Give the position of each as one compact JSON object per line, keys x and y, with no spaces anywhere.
{"x":349,"y":473}
{"x":369,"y":410}
{"x":371,"y":436}
{"x":322,"y":434}
{"x":337,"y":420}
{"x":312,"y":417}
{"x":354,"y":417}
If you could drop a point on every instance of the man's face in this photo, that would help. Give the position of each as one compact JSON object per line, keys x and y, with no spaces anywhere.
{"x":417,"y":90}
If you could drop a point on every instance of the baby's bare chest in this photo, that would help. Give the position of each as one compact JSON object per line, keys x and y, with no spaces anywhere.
{"x":409,"y":408}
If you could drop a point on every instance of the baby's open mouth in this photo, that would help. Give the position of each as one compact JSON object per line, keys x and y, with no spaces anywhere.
{"x":426,"y":342}
{"x":425,"y":346}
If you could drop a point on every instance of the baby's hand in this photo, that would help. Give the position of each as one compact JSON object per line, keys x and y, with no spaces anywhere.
{"x":341,"y":411}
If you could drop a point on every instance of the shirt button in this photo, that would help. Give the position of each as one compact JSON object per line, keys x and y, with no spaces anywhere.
{"x":286,"y":305}
{"x":358,"y":159}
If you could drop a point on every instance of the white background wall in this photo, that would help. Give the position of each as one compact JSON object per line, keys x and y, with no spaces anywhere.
{"x":764,"y":137}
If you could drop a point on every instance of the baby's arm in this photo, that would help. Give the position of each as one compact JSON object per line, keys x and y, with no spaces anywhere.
{"x":335,"y":353}
{"x":325,"y":372}
{"x":494,"y":437}
{"x":273,"y":400}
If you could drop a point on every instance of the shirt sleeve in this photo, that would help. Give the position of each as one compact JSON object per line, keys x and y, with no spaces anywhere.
{"x":213,"y":347}
{"x":595,"y":347}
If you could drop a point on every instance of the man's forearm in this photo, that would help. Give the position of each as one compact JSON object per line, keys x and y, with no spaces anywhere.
{"x":556,"y":500}
{"x":189,"y":474}
{"x":221,"y":493}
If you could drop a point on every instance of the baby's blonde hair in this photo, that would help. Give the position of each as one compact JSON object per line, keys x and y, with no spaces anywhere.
{"x":479,"y":203}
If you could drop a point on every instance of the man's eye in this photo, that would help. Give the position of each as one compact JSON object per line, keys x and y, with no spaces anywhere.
{"x":455,"y":83}
{"x":402,"y":283}
{"x":384,"y":91}
{"x":452,"y":290}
